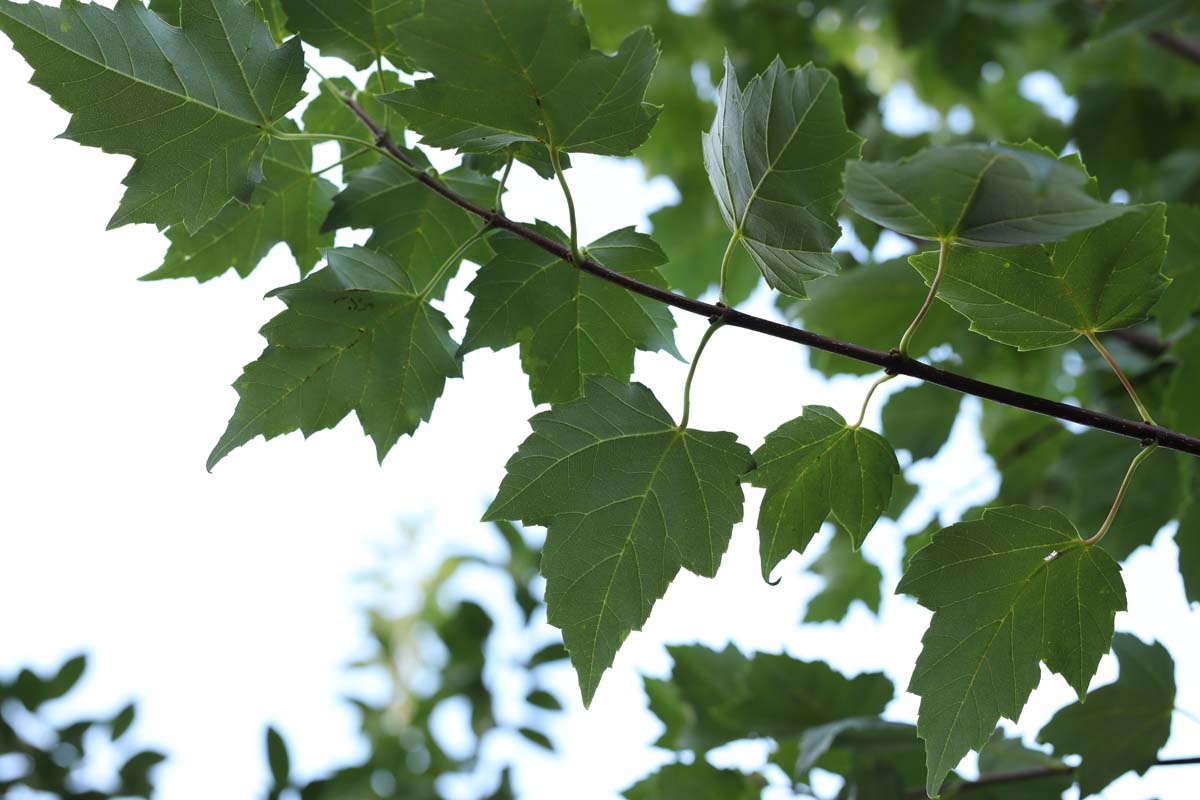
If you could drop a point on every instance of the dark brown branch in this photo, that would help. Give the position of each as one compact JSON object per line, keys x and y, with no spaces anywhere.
{"x":1031,"y":774}
{"x":891,"y":362}
{"x":1179,"y":46}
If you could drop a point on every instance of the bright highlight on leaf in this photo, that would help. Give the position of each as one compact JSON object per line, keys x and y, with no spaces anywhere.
{"x":569,"y":324}
{"x":1105,"y":278}
{"x":356,"y":336}
{"x":189,"y":104}
{"x":628,"y":498}
{"x":1123,"y":725}
{"x":1013,"y":588}
{"x":982,"y":195}
{"x":814,"y":466}
{"x":775,"y":156}
{"x":508,"y":71}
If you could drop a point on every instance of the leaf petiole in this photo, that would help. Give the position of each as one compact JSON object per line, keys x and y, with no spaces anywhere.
{"x":453,"y":259}
{"x":1137,"y":401}
{"x":906,"y":339}
{"x":1112,"y":512}
{"x":862,"y":414}
{"x":562,"y":181}
{"x":725,"y":259}
{"x":687,"y":386}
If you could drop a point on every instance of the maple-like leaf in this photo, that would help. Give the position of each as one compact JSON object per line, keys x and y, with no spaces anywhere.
{"x":289,"y":206}
{"x":982,"y":195}
{"x":356,"y":336}
{"x":1104,"y":278}
{"x":415,"y":226}
{"x":1012,"y":588}
{"x":191,"y":104}
{"x":509,"y":71}
{"x":628,"y":499}
{"x":1123,"y":725}
{"x":775,"y":157}
{"x":569,"y":324}
{"x":358,"y":31}
{"x":814,"y":466}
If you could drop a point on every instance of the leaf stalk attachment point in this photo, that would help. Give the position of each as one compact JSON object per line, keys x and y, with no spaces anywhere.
{"x":725,"y":259}
{"x":687,"y":386}
{"x":1147,"y":449}
{"x":862,"y":414}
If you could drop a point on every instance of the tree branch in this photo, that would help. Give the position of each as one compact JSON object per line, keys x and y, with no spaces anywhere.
{"x":1031,"y":774}
{"x":893,"y":362}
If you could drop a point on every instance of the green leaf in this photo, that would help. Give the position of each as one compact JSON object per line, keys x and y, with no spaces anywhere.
{"x":1006,"y":755}
{"x":1132,"y":16}
{"x":123,"y":720}
{"x":775,"y":156}
{"x":1125,"y":723}
{"x":982,"y":195}
{"x":873,"y":752}
{"x":508,"y":71}
{"x":1187,"y":539}
{"x":918,"y":419}
{"x":540,"y":698}
{"x":413,"y":225}
{"x":277,"y":757}
{"x":815,"y":466}
{"x":569,"y":324}
{"x":628,"y":498}
{"x":1182,"y":266}
{"x":189,"y":104}
{"x":849,"y":576}
{"x":871,"y":305}
{"x":271,"y":11}
{"x":66,"y":678}
{"x":289,"y":206}
{"x":357,"y":31}
{"x":1016,"y":587}
{"x":715,"y":697}
{"x":1102,"y":279}
{"x":696,"y":781}
{"x":329,"y":114}
{"x":356,"y":336}
{"x":536,"y":737}
{"x":134,"y":774}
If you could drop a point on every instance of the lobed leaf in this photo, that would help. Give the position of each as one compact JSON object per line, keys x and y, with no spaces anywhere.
{"x":569,"y":324}
{"x":356,"y":336}
{"x":628,"y":499}
{"x":190,"y":104}
{"x":509,"y":71}
{"x":775,"y":156}
{"x":815,"y":466}
{"x":1008,"y":590}
{"x":358,"y":31}
{"x":1105,"y":278}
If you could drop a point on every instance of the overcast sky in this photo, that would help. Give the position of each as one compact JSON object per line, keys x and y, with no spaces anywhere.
{"x":225,"y":601}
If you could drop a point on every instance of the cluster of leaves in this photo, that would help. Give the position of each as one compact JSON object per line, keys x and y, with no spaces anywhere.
{"x":1021,"y":242}
{"x":812,"y":717}
{"x":44,"y":755}
{"x":433,"y":656}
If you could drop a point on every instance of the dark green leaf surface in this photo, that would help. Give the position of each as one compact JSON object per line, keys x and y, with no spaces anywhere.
{"x":1123,"y":725}
{"x":849,"y":576}
{"x":859,"y":736}
{"x":1183,"y":392}
{"x":569,"y":324}
{"x":289,"y":206}
{"x":628,"y":498}
{"x":775,"y":156}
{"x":815,"y":466}
{"x":696,"y":781}
{"x":188,"y":104}
{"x":1007,"y":755}
{"x":1182,"y":266}
{"x":356,"y":336}
{"x":982,"y":195}
{"x":508,"y":71}
{"x":416,"y":227}
{"x":918,"y":419}
{"x":278,"y":759}
{"x":1187,"y":539}
{"x":1016,"y":587}
{"x":1101,"y":279}
{"x":357,"y":31}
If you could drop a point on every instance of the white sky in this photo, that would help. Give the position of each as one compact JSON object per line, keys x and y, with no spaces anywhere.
{"x":223,"y":602}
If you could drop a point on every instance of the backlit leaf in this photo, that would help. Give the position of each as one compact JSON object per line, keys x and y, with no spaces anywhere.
{"x":918,"y":419}
{"x":628,"y":499}
{"x":814,"y":466}
{"x":189,"y":104}
{"x":1016,"y":587}
{"x":849,"y":576}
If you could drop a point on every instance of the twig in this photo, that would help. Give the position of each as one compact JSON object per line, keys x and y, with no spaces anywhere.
{"x":892,"y":361}
{"x":1031,"y":774}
